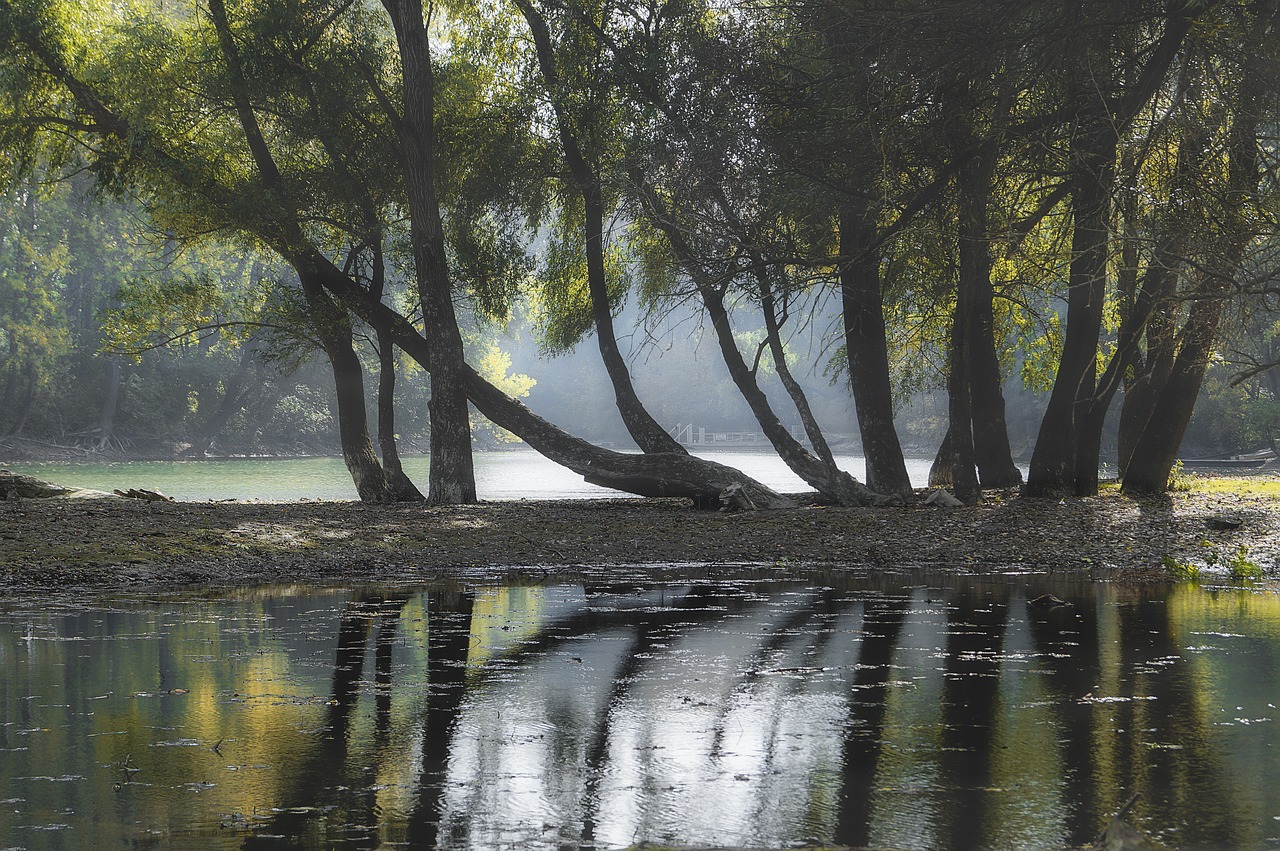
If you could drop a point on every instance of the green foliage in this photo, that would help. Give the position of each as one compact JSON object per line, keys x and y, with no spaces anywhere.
{"x":1180,"y":570}
{"x":1237,"y":565}
{"x":1179,"y":479}
{"x":1241,"y":568}
{"x":494,"y":365}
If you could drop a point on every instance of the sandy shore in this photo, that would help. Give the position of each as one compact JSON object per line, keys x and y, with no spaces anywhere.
{"x":113,"y":542}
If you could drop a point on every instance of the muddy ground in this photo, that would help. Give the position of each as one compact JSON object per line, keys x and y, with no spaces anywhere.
{"x":111,"y":542}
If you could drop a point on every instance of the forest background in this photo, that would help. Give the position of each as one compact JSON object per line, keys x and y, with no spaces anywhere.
{"x":1070,"y":203}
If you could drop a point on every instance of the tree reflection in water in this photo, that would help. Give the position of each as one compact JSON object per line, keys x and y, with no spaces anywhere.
{"x":948,"y":713}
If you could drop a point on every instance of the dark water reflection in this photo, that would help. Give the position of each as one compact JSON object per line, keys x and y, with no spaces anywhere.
{"x":917,"y":712}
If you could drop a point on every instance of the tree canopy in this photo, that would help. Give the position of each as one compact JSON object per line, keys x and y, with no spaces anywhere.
{"x":1078,"y":197}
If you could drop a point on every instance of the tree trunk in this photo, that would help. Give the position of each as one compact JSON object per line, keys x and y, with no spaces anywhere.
{"x":992,"y":454}
{"x":943,"y":462}
{"x":648,"y":434}
{"x":1154,"y":453}
{"x":229,"y":405}
{"x":837,"y":485}
{"x":1063,"y":460}
{"x":868,"y":355}
{"x":1054,"y":462}
{"x":403,"y":488}
{"x":107,"y":421}
{"x":353,"y":425}
{"x":773,"y":336}
{"x":983,"y":401}
{"x":652,"y":474}
{"x":452,"y":473}
{"x":29,"y":376}
{"x":10,"y":384}
{"x":964,"y":472}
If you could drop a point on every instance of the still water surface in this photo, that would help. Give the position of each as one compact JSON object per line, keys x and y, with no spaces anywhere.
{"x":915,"y":711}
{"x":505,"y":474}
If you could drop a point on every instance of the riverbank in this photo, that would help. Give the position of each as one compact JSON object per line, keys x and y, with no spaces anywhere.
{"x":114,"y":542}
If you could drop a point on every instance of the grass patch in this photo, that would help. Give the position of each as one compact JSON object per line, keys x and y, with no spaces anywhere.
{"x":1242,"y":485}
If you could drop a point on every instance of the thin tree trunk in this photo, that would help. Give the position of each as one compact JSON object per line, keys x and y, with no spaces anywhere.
{"x":403,"y":488}
{"x":838,"y":486}
{"x":648,"y":434}
{"x":773,"y":336}
{"x":452,"y":473}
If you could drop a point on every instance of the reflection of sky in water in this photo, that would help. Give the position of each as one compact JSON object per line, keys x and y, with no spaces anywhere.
{"x":763,"y":714}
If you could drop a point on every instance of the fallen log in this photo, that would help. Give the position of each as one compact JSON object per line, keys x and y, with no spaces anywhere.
{"x":17,"y":486}
{"x":143,"y":494}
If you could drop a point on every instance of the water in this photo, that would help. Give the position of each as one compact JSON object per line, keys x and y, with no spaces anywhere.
{"x":914,"y":711}
{"x":506,"y":474}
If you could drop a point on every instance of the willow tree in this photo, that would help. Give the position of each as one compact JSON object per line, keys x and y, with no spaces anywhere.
{"x":269,"y":164}
{"x":1223,"y":218}
{"x":1107,"y":79}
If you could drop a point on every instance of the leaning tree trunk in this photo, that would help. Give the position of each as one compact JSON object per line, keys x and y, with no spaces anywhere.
{"x":836,"y":485}
{"x":1062,"y":462}
{"x":653,"y":474}
{"x":1155,"y":451}
{"x":648,"y":434}
{"x":773,"y":336}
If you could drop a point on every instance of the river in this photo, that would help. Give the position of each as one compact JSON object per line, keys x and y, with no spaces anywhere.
{"x":504,"y":474}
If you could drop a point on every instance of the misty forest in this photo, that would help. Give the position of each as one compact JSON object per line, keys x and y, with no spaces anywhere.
{"x":990,"y":232}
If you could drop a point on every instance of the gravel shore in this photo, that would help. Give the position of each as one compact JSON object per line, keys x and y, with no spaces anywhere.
{"x":118,"y":542}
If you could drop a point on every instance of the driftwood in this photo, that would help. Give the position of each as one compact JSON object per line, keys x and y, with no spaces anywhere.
{"x":17,"y":486}
{"x":143,"y":493}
